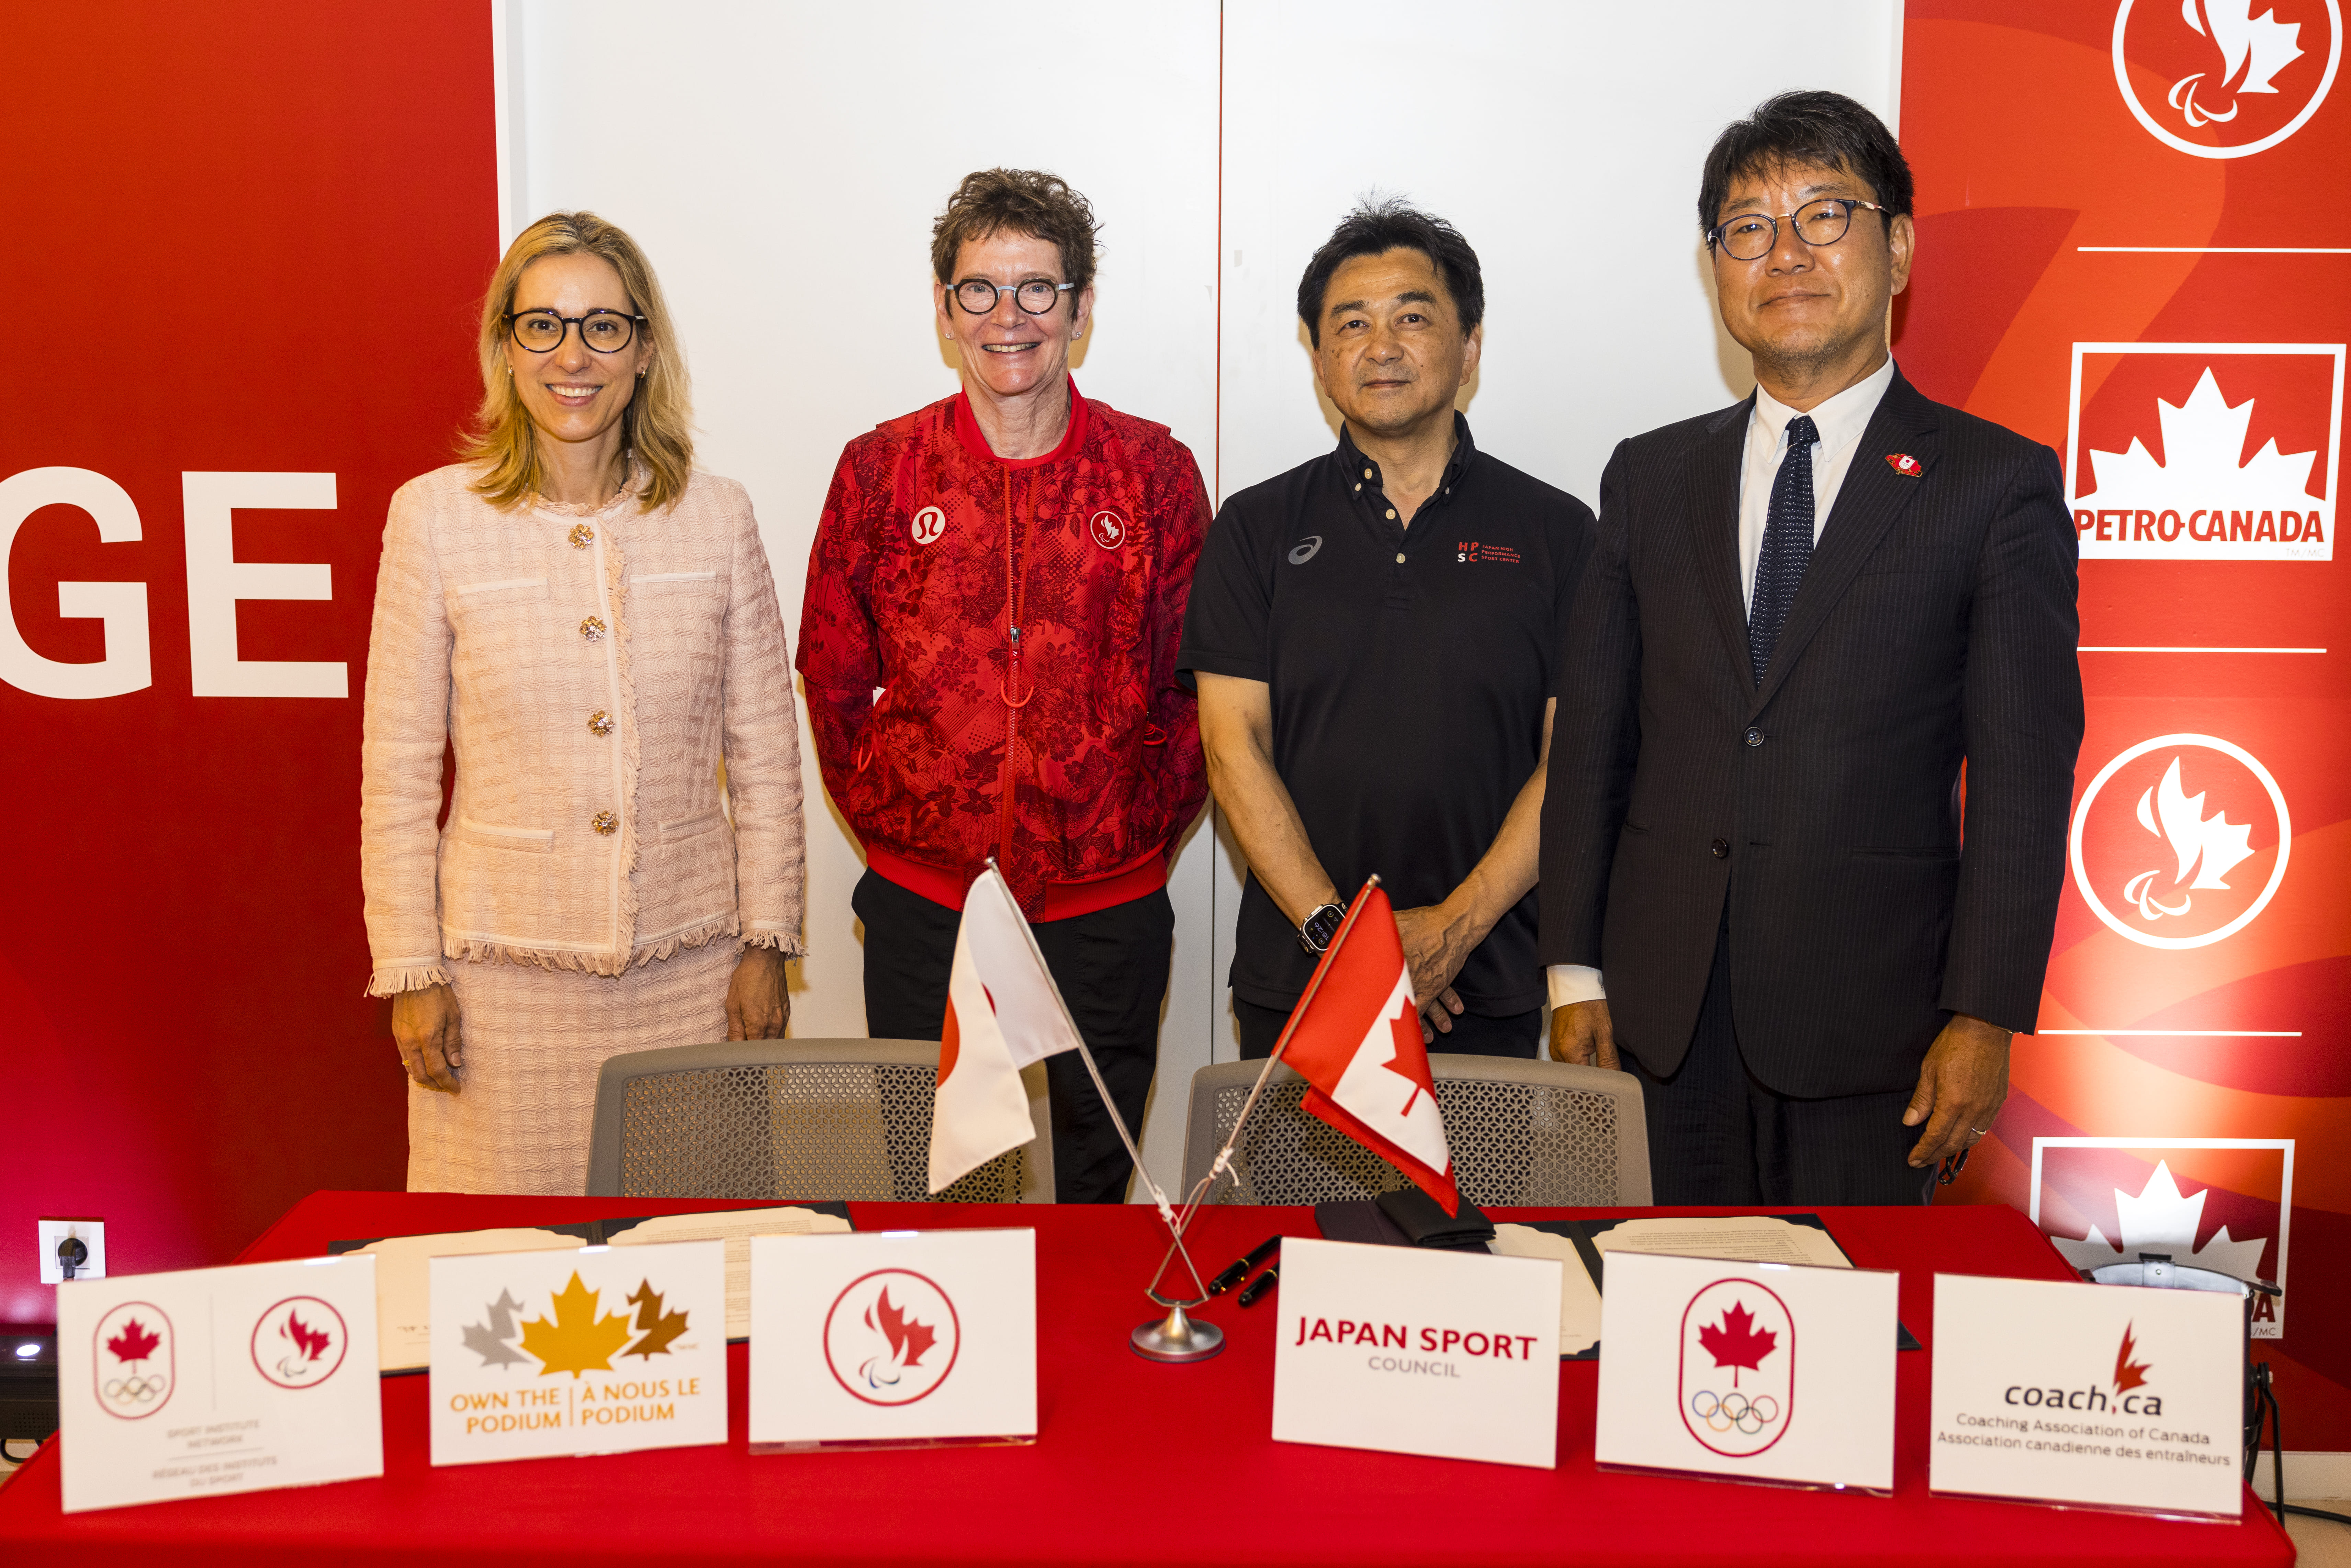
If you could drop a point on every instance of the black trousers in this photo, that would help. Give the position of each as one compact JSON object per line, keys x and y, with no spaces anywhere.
{"x":1112,"y":967}
{"x":1518,"y":1035}
{"x":1718,"y":1136}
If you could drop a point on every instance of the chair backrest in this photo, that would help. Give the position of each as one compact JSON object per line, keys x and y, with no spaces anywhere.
{"x":1523,"y":1133}
{"x":815,"y":1119}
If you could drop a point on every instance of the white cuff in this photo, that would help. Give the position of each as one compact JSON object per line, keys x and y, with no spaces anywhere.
{"x":1572,"y":983}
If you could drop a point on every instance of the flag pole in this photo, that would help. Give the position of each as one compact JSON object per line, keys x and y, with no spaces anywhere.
{"x":1175,"y":1337}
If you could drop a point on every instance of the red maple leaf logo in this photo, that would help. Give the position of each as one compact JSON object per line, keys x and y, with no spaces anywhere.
{"x":908,"y":1339}
{"x":312,"y":1342}
{"x":2128,"y":1373}
{"x":134,"y":1343}
{"x":1737,"y":1342}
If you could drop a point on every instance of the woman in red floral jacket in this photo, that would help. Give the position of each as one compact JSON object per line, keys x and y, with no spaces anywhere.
{"x":994,"y":603}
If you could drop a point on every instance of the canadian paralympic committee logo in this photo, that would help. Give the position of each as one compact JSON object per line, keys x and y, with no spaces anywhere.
{"x":2213,"y":79}
{"x":300,"y":1342}
{"x":1109,"y":528}
{"x":891,"y":1337}
{"x":2205,"y":452}
{"x":1738,"y":1385}
{"x":135,"y":1362}
{"x":2180,"y":841}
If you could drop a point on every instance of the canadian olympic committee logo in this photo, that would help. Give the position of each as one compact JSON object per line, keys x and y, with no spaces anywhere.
{"x":2180,"y":841}
{"x":134,"y":1363}
{"x":891,"y":1337}
{"x":2214,"y":80}
{"x":927,"y":525}
{"x":1738,"y":1385}
{"x":300,"y":1342}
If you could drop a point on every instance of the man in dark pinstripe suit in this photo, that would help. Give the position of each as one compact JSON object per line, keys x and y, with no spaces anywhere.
{"x":1803,"y":614}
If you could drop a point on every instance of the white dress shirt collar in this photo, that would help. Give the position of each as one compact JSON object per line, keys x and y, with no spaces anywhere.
{"x":1839,"y":420}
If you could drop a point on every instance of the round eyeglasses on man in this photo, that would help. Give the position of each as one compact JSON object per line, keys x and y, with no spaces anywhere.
{"x":1036,"y":296}
{"x":1750,"y":236}
{"x":541,"y":331}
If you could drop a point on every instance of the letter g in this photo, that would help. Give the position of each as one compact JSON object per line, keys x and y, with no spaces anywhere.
{"x":121,"y":606}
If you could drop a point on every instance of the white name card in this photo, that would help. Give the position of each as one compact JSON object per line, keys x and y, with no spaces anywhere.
{"x":592,"y":1350}
{"x":2112,"y":1396}
{"x":217,"y":1380}
{"x":893,"y":1337}
{"x":1766,"y":1372}
{"x":1447,"y":1353}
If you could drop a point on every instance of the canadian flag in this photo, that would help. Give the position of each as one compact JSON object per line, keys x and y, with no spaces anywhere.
{"x":1357,"y":1040}
{"x":1003,"y":1013}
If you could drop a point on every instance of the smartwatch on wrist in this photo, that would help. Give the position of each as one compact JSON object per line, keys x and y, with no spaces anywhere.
{"x":1315,"y":933}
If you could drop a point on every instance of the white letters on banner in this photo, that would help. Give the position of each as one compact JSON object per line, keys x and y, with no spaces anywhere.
{"x":1447,"y":1353}
{"x":893,"y":1337}
{"x":1754,"y":1371}
{"x":217,"y":1380}
{"x":594,"y":1350}
{"x":121,"y":606}
{"x":217,"y":579}
{"x":2113,"y":1395}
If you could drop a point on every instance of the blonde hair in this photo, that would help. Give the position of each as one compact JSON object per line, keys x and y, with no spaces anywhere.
{"x":657,"y":426}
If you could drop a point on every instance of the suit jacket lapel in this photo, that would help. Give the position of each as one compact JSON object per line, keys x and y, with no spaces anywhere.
{"x":1714,"y":515}
{"x":1870,"y":501}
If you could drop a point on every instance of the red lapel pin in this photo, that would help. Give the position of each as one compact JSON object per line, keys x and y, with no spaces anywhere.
{"x":1904,"y":465}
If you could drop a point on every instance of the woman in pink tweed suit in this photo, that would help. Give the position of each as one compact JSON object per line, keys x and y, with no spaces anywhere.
{"x":590,"y":624}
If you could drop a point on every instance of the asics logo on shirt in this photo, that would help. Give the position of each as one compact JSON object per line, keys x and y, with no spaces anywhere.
{"x":1306,"y":549}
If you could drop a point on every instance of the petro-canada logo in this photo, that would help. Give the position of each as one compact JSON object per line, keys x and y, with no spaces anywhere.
{"x":300,"y":1342}
{"x":1738,"y":1384}
{"x":891,"y":1337}
{"x":2205,"y":452}
{"x":2180,"y":841}
{"x":2214,"y":80}
{"x":2222,"y":1203}
{"x":926,"y":526}
{"x":134,"y":1363}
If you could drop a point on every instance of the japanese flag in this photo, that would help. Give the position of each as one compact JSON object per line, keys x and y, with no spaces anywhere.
{"x":1357,"y":1040}
{"x":1003,"y":1013}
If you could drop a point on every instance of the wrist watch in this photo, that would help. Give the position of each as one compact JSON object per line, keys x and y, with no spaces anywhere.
{"x":1315,"y":932}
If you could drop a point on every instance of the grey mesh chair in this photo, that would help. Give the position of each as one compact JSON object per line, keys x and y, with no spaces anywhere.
{"x":1523,"y":1133}
{"x":813,"y":1119}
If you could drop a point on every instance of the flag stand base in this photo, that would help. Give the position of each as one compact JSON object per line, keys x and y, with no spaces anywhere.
{"x":1177,"y":1337}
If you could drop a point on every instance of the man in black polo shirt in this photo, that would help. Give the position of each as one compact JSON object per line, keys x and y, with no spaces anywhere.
{"x":1372,"y":635}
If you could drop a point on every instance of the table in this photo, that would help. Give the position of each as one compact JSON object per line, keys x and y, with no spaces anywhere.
{"x":1134,"y":1462}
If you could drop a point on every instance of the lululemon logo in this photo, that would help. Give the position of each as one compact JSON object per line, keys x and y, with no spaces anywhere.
{"x":1305,"y":550}
{"x":1108,"y":528}
{"x":929,"y":525}
{"x":2237,"y":83}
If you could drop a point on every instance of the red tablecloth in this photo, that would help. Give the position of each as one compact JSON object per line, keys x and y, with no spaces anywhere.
{"x":1134,"y":1462}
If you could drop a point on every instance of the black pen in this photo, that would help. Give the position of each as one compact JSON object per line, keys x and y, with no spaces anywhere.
{"x":1262,"y":1287}
{"x":1234,"y":1274}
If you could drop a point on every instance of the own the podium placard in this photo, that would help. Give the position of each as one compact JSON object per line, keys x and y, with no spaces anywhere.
{"x":217,"y":1380}
{"x":1449,"y":1353}
{"x":894,"y":1338}
{"x":2110,"y":1395}
{"x":595,"y":1350}
{"x":1765,"y":1372}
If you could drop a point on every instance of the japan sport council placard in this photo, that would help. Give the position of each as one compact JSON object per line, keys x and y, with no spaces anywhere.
{"x":596,"y":1350}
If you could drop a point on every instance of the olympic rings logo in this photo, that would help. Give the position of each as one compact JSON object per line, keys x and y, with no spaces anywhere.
{"x":1734,"y":1412}
{"x":137,"y":1389}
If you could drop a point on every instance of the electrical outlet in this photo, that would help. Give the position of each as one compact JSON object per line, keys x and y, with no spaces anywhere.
{"x":91,"y":1233}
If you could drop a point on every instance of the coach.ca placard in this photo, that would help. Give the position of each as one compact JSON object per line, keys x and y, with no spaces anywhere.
{"x":596,"y":1350}
{"x":893,"y":1337}
{"x":2107,"y":1396}
{"x":1450,"y":1353}
{"x":1765,"y":1372}
{"x":217,"y":1380}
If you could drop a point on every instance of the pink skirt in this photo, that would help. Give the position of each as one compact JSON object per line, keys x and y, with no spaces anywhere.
{"x":533,"y":1040}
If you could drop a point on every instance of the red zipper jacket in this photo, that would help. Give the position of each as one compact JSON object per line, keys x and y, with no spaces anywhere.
{"x":1067,"y":751}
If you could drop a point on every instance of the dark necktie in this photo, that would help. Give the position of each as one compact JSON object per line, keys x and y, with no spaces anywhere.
{"x":1787,"y":544}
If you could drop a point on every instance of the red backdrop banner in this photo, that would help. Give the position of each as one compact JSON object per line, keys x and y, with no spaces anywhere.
{"x":247,"y":241}
{"x":2135,"y":245}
